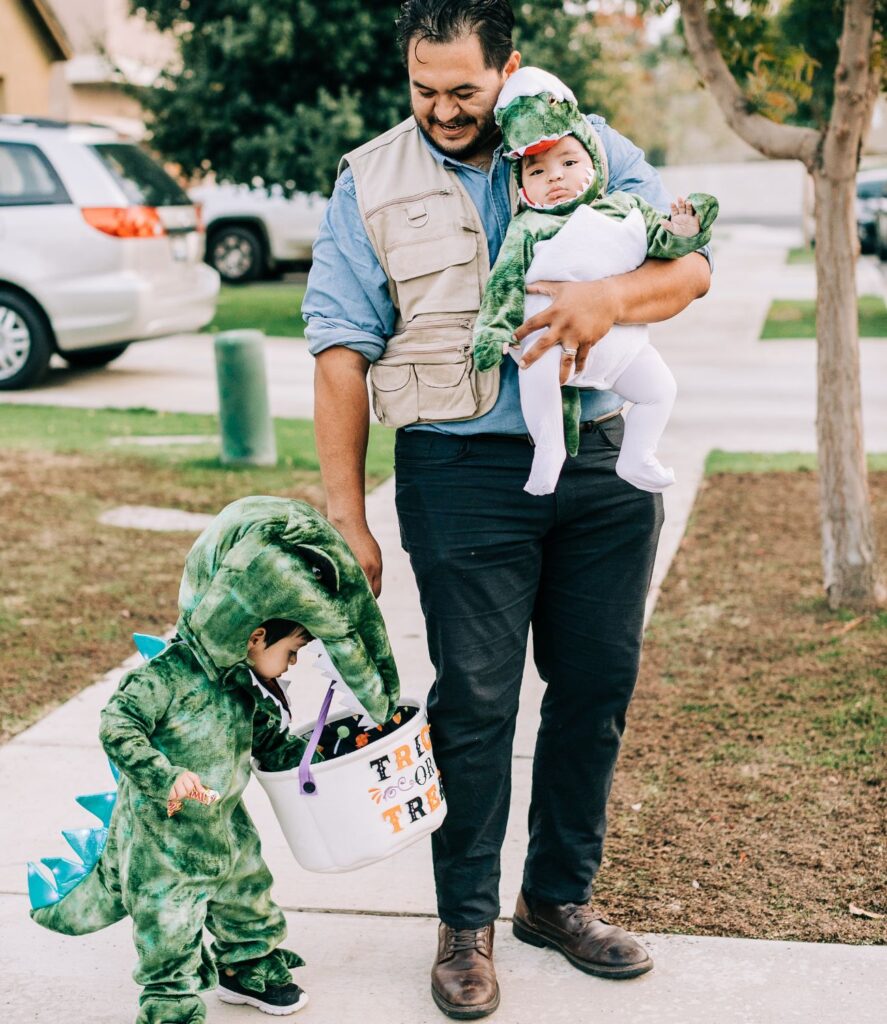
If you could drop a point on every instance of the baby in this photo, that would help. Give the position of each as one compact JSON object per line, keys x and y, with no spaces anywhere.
{"x":570,"y":229}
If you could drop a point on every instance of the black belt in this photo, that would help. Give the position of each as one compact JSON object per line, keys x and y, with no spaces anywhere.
{"x":585,"y":427}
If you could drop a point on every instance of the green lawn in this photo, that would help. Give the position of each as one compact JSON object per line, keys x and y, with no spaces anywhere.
{"x":62,"y":429}
{"x":272,"y":308}
{"x":796,"y":318}
{"x":719,"y":461}
{"x":800,"y":256}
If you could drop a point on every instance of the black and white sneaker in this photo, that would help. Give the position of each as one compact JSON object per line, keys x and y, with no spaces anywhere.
{"x":278,"y":1000}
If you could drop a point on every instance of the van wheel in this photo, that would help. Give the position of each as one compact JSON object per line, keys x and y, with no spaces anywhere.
{"x":25,"y":345}
{"x":85,"y":358}
{"x":237,"y":253}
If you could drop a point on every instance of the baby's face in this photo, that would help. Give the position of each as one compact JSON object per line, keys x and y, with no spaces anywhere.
{"x":557,"y":174}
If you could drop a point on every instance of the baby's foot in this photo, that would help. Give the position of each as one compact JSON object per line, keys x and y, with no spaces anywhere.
{"x":646,"y":474}
{"x":684,"y":220}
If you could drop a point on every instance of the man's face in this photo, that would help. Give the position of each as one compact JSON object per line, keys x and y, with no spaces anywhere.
{"x":453,"y":94}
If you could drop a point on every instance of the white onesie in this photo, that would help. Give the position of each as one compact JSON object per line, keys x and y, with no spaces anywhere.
{"x":591,"y":246}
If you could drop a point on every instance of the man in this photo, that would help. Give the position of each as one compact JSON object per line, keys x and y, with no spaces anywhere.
{"x":416,"y":219}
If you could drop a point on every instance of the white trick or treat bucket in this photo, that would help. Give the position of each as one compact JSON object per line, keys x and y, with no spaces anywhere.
{"x":364,"y":806}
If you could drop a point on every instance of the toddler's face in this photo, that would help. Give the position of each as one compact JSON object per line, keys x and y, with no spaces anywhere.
{"x":271,"y":662}
{"x":556,"y":174}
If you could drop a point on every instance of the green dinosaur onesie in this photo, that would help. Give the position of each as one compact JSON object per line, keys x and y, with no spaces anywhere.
{"x":535,"y":108}
{"x":194,"y":707}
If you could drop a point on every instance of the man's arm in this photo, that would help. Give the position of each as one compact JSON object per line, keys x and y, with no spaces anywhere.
{"x":581,"y":313}
{"x":341,"y":429}
{"x":349,"y":314}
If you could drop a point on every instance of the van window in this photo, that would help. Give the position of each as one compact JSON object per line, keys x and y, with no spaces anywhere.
{"x":144,"y":182}
{"x":27,"y":177}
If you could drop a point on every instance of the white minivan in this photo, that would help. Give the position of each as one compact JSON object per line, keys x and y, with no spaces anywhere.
{"x":99,"y":247}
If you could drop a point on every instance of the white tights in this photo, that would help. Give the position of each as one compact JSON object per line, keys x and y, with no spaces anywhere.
{"x":646,"y":382}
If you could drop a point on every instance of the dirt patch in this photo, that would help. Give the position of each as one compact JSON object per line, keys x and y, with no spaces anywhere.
{"x":72,"y":591}
{"x":750,"y":795}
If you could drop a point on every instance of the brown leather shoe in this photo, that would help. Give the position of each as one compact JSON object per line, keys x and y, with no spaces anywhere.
{"x":586,"y":939}
{"x":463,"y":979}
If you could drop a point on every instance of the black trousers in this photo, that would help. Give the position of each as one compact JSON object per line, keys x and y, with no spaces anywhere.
{"x":490,"y":560}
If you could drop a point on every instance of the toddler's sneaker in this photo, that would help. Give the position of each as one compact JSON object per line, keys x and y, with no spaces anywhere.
{"x":278,"y":1000}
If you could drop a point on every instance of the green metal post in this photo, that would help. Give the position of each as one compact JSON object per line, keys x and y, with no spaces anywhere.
{"x":244,"y":411}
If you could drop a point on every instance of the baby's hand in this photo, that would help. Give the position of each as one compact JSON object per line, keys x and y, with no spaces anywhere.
{"x":684,"y":221}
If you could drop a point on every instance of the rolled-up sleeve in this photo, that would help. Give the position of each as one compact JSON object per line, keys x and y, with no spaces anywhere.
{"x":630,"y":172}
{"x":347,"y":300}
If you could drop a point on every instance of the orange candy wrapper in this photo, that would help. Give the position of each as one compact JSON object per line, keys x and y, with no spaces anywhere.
{"x":202,"y":796}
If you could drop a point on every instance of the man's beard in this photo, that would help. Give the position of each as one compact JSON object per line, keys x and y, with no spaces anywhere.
{"x":486,"y":132}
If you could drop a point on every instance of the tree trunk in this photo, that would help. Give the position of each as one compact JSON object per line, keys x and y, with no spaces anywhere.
{"x":848,"y":540}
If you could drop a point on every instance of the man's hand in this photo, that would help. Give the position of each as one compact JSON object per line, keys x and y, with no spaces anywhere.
{"x":583,"y":311}
{"x":580,"y":315}
{"x":365,"y":549}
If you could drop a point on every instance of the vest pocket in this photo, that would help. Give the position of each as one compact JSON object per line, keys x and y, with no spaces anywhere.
{"x":419,"y":381}
{"x":431,"y":276}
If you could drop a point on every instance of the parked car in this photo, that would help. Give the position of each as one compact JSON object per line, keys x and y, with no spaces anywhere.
{"x":870,"y":187}
{"x":99,"y":247}
{"x":253,"y":233}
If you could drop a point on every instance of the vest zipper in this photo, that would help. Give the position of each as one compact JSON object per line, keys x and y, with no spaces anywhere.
{"x":409,"y":199}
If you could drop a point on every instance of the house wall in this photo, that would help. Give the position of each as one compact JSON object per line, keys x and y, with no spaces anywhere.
{"x":25,"y":62}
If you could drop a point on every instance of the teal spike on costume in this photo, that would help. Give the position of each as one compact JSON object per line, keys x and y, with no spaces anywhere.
{"x":115,"y":771}
{"x":67,"y":873}
{"x":99,"y":804}
{"x":41,"y":891}
{"x":149,"y":646}
{"x":87,"y":843}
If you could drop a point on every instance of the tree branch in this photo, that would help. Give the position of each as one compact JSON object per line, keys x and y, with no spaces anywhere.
{"x":777,"y":141}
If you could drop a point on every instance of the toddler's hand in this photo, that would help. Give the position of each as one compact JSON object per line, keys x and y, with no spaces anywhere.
{"x":684,"y":220}
{"x":188,"y":787}
{"x":186,"y":784}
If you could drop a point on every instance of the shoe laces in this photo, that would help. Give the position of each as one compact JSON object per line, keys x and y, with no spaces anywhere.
{"x":460,"y":939}
{"x":584,"y":915}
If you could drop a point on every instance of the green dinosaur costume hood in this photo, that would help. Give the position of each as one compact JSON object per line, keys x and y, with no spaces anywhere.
{"x":275,"y":558}
{"x":535,"y":108}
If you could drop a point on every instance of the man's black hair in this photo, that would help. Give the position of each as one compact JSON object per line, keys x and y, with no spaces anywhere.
{"x":277,"y":629}
{"x":443,"y":21}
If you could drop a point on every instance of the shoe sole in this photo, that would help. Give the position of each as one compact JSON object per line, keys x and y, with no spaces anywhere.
{"x":525,"y":933}
{"x":276,"y":1011}
{"x":463,"y":1012}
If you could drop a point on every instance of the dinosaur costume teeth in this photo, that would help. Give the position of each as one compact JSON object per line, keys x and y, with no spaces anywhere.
{"x":192,"y":706}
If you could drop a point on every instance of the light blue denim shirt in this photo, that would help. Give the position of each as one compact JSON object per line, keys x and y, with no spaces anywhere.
{"x":347,"y":300}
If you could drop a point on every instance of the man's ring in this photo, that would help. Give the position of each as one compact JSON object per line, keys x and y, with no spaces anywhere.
{"x":571,"y":353}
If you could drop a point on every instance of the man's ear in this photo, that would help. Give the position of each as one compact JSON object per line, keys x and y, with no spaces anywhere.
{"x":512,"y":64}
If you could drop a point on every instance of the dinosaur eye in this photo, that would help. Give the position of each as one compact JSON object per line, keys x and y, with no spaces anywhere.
{"x":552,"y":100}
{"x":322,"y":567}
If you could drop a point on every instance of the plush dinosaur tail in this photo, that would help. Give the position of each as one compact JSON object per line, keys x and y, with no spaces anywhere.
{"x":70,"y":896}
{"x":88,"y":907}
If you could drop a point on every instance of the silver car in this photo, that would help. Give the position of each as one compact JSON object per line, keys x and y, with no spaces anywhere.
{"x":99,"y":247}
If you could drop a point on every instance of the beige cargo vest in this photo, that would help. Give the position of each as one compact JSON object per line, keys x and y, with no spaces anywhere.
{"x":430,"y":242}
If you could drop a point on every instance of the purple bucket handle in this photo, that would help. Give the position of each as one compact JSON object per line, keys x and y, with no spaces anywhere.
{"x":307,"y":785}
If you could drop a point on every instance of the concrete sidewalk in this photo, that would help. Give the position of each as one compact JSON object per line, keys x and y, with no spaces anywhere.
{"x":369,"y":936}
